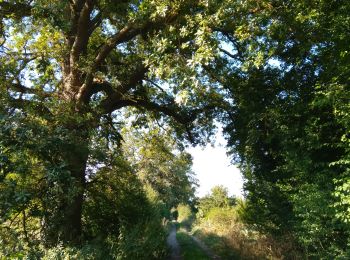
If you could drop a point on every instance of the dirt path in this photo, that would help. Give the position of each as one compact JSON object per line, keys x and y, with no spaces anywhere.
{"x":205,"y":248}
{"x":174,"y":245}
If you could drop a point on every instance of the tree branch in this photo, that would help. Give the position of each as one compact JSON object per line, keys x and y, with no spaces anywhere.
{"x":105,"y":86}
{"x":156,"y":85}
{"x":171,"y":110}
{"x":17,"y":10}
{"x":39,"y":107}
{"x":124,"y":35}
{"x":233,"y":56}
{"x":95,"y":22}
{"x":82,"y":31}
{"x":114,"y":92}
{"x":168,"y":109}
{"x":25,"y":90}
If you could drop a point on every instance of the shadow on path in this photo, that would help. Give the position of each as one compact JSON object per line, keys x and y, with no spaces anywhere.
{"x":205,"y":248}
{"x":174,"y":245}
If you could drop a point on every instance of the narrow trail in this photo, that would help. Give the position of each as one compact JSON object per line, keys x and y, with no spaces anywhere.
{"x":174,"y":245}
{"x":205,"y":248}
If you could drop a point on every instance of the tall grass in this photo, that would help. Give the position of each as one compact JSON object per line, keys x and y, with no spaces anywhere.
{"x":224,"y":232}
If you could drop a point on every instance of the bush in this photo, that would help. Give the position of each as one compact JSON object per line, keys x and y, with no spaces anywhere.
{"x":144,"y":241}
{"x":185,"y":215}
{"x":120,"y":222}
{"x":222,"y":216}
{"x":222,"y":229}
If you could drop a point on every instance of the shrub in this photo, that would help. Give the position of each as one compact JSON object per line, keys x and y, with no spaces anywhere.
{"x":185,"y":215}
{"x":144,"y":241}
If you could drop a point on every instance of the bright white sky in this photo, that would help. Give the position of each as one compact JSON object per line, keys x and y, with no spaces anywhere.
{"x":212,"y":167}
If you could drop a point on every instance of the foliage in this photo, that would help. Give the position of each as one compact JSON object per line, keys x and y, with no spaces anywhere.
{"x":74,"y":77}
{"x":223,"y":231}
{"x":287,"y":122}
{"x":185,"y":215}
{"x":145,"y":240}
{"x":115,"y":200}
{"x":79,"y":77}
{"x":218,"y":198}
{"x":72,"y":74}
{"x":161,"y":163}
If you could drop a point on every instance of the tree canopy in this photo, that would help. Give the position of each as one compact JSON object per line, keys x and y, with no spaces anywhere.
{"x":98,"y":98}
{"x":70,"y":69}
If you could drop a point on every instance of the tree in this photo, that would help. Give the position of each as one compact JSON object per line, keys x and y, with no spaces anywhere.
{"x":275,"y":73}
{"x":286,"y":72}
{"x":68,"y":66}
{"x":218,"y":198}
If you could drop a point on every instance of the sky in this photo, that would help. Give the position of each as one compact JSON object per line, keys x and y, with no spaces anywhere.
{"x":212,"y":167}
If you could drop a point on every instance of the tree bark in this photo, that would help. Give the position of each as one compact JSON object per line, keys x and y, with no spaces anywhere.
{"x":71,"y":229}
{"x":63,"y":223}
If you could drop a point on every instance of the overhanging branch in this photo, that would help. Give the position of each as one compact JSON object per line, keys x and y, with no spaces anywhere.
{"x":126,"y":34}
{"x":171,"y":109}
{"x":114,"y":92}
{"x":18,"y":87}
{"x":83,"y":25}
{"x":16,"y":10}
{"x":24,"y":104}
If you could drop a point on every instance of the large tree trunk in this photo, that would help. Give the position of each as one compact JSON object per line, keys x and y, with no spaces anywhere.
{"x":63,"y":223}
{"x":71,"y":229}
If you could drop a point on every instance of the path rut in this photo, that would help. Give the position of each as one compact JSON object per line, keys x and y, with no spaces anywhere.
{"x":174,"y":245}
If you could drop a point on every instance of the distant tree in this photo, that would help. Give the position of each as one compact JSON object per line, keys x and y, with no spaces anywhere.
{"x":217,"y":198}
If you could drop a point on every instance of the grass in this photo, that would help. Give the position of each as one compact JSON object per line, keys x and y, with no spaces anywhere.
{"x":189,"y":249}
{"x":218,"y":244}
{"x":239,"y":242}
